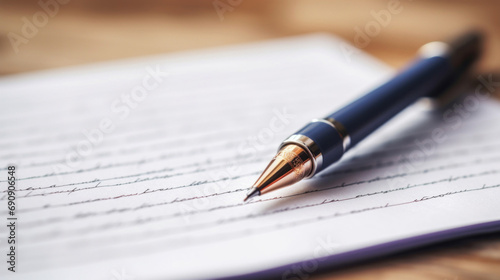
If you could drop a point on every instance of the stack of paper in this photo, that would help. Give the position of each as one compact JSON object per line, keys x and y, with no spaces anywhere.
{"x":137,"y":169}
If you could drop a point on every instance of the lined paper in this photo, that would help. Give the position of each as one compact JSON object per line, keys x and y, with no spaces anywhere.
{"x":137,"y":169}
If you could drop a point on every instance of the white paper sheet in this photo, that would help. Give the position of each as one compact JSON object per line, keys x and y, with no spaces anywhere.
{"x":126,"y":172}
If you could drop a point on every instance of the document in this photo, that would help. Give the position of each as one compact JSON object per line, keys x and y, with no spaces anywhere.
{"x":137,"y":169}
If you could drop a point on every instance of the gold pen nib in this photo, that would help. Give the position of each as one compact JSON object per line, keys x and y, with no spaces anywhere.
{"x":290,"y":165}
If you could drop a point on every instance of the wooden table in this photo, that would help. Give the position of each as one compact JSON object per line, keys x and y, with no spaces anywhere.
{"x":90,"y":31}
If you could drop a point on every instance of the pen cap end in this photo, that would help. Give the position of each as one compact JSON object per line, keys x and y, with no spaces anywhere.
{"x":468,"y":46}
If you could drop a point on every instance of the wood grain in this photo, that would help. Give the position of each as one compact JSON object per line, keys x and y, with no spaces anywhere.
{"x":91,"y":31}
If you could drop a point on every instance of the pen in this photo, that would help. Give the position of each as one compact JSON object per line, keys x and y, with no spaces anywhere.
{"x":323,"y":141}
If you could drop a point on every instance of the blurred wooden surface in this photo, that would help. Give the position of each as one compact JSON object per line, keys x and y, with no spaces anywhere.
{"x":91,"y":31}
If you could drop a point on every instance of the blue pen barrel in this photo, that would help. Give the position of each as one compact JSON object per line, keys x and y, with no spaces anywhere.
{"x":369,"y":112}
{"x":440,"y":66}
{"x":366,"y":114}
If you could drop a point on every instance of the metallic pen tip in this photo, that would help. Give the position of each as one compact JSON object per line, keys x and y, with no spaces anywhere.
{"x":290,"y":165}
{"x":251,"y":194}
